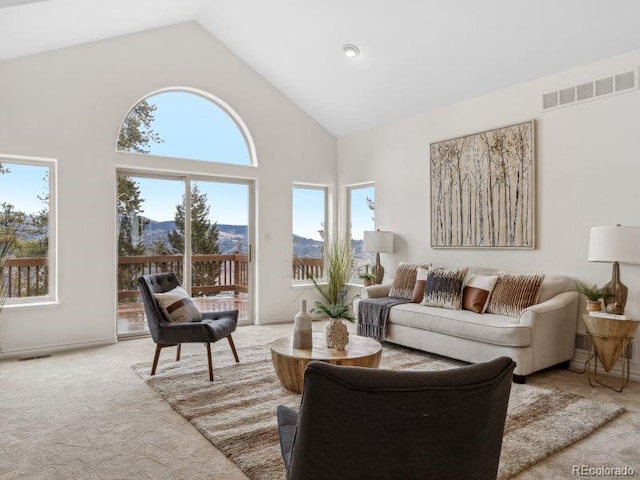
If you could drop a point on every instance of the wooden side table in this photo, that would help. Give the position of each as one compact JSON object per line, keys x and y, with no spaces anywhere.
{"x":610,"y":337}
{"x":290,"y":363}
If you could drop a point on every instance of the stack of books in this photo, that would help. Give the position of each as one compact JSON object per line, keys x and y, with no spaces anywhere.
{"x":609,"y":315}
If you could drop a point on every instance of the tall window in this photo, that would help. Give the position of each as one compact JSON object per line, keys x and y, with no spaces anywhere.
{"x":309,"y":224}
{"x":362,"y":217}
{"x":184,"y":124}
{"x":26,"y":230}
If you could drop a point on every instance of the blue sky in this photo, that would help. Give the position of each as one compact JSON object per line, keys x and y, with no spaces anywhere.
{"x":162,"y":196}
{"x":195,"y":128}
{"x":22,"y":185}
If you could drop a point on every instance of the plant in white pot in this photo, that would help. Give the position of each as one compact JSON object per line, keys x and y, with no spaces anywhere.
{"x":338,"y":262}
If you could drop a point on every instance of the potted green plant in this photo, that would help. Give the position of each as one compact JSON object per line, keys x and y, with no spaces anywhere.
{"x":368,"y":277}
{"x":593,"y":294}
{"x":333,"y":290}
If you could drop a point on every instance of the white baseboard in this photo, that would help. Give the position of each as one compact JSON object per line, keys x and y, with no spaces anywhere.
{"x":50,"y":349}
{"x":578,"y":365}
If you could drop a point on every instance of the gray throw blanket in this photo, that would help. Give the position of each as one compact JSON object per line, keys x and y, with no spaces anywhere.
{"x":373,"y":314}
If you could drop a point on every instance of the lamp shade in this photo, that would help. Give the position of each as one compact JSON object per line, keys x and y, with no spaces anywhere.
{"x":614,"y":244}
{"x":377,"y":241}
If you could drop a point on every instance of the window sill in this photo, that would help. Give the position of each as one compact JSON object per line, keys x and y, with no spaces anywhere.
{"x":31,"y":305}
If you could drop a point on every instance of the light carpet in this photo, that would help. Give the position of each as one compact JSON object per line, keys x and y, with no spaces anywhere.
{"x":237,"y":411}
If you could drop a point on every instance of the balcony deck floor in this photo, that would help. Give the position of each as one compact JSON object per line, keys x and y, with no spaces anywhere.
{"x":132,"y":320}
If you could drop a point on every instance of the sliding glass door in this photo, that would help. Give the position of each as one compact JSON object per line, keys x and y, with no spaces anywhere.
{"x":197,"y":228}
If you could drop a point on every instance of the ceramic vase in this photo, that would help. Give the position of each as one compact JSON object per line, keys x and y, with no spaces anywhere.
{"x":337,"y":334}
{"x":302,"y":335}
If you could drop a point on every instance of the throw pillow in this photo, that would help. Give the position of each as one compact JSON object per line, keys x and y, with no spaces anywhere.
{"x":444,"y":288}
{"x":404,"y":280}
{"x":514,"y":293}
{"x":421,"y":283}
{"x":177,"y":306}
{"x":477,"y":291}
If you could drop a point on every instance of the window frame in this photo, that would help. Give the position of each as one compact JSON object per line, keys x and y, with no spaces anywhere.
{"x":327,"y":229}
{"x":217,"y":102}
{"x":52,"y":251}
{"x":356,"y":280}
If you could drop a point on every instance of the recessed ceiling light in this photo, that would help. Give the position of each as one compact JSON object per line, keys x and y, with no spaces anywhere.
{"x":351,"y":51}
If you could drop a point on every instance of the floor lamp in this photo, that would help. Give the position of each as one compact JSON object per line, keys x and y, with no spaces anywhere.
{"x":377,"y":241}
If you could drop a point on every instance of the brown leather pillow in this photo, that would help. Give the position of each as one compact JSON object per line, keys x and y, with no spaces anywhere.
{"x":477,"y":291}
{"x":421,"y":283}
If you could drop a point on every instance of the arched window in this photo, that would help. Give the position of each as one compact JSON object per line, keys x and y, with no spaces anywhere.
{"x":186,"y":124}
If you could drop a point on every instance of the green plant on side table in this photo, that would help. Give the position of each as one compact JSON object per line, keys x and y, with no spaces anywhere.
{"x":368,"y":277}
{"x":338,"y":266}
{"x":593,"y":294}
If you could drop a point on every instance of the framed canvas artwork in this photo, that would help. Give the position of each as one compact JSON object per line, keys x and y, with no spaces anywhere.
{"x":483,"y":189}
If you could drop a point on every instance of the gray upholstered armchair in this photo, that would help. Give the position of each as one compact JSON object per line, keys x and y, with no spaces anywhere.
{"x":363,"y":423}
{"x":213,"y":326}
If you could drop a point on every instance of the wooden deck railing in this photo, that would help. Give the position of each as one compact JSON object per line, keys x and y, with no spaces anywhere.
{"x":306,"y":268}
{"x":25,"y":277}
{"x":28,"y":277}
{"x":210,"y":273}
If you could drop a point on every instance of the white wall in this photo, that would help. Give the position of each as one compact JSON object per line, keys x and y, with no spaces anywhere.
{"x":587,"y":174}
{"x":68,"y":105}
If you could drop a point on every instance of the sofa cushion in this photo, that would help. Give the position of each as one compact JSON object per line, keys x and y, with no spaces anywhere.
{"x":404,"y":280}
{"x":489,"y":328}
{"x":444,"y":288}
{"x":477,"y":291}
{"x":514,"y":293}
{"x":177,"y":306}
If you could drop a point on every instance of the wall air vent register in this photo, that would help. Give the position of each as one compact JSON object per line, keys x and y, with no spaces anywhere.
{"x":603,"y":87}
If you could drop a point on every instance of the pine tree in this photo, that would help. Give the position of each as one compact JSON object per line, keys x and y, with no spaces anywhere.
{"x":204,"y":239}
{"x":137,"y":132}
{"x":129,"y":208}
{"x":204,"y":234}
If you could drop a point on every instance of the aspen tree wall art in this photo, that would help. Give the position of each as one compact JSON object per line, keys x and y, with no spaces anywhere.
{"x":483,"y":189}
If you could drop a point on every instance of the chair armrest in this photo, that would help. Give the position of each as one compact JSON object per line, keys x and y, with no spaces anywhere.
{"x":287,"y":419}
{"x":376,"y":291}
{"x":220,"y":314}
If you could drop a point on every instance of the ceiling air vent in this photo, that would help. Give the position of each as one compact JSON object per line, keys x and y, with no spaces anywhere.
{"x":602,"y":87}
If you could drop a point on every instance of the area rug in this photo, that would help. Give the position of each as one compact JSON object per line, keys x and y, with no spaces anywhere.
{"x":237,"y":411}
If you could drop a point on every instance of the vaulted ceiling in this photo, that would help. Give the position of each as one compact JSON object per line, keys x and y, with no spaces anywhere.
{"x":416,"y":55}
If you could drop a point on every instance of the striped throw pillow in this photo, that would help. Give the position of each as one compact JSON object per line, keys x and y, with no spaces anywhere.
{"x":513,"y":293}
{"x":444,"y":288}
{"x":404,"y":280}
{"x":177,"y":306}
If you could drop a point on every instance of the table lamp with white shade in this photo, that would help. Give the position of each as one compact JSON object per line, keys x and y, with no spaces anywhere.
{"x":615,"y":245}
{"x":377,"y":241}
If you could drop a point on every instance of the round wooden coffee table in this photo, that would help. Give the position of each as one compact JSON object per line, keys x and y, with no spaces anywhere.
{"x":290,"y":362}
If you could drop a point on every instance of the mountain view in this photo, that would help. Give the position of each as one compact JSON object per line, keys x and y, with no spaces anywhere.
{"x":233,"y":238}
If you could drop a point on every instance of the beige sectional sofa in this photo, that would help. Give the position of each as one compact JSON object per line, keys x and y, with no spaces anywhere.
{"x":543,"y":335}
